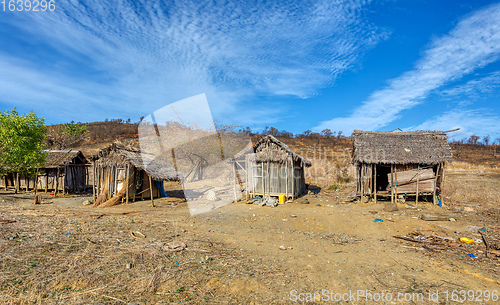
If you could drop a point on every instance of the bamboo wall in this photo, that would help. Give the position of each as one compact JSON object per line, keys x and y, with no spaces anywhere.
{"x":112,"y":179}
{"x":273,"y":179}
{"x":71,"y":178}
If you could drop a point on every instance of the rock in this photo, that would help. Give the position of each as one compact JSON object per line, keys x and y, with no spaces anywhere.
{"x":282,"y":248}
{"x":293,"y":215}
{"x":174,"y":246}
{"x":305,"y":201}
{"x":210,"y":195}
{"x":87,"y":202}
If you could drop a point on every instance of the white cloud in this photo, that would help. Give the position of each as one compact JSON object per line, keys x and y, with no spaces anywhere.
{"x":153,"y":53}
{"x":480,"y":122}
{"x":475,"y":88}
{"x":472,"y":44}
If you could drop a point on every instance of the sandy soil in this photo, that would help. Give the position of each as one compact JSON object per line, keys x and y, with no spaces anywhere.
{"x":62,"y":252}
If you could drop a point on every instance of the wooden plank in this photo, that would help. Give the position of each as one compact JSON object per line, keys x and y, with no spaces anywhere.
{"x":396,"y":178}
{"x":375,"y":182}
{"x":392,"y":183}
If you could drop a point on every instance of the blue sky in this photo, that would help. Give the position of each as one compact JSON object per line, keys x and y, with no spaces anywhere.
{"x":342,"y":65}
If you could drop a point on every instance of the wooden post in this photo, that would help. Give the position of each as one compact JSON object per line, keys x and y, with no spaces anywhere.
{"x":286,"y":180}
{"x":27,"y":182}
{"x":93,"y":181}
{"x":127,"y":176}
{"x":434,"y":197}
{"x":396,"y":180}
{"x":293,"y":180}
{"x":46,"y":180}
{"x":441,"y":185}
{"x":418,"y":179}
{"x":151,"y":191}
{"x":64,"y":180}
{"x":57,"y":183}
{"x":375,"y":182}
{"x":362,"y":186}
{"x":16,"y":189}
{"x":36,"y":181}
{"x":392,"y":183}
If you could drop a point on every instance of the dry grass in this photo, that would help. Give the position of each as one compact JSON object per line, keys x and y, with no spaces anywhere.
{"x":99,"y":261}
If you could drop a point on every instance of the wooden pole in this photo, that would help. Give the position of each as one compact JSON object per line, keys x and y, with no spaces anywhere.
{"x":396,"y":181}
{"x":418,"y":179}
{"x":127,"y":179}
{"x":286,"y":180}
{"x":64,"y":180}
{"x":46,"y":180}
{"x":36,"y":181}
{"x":441,"y":185}
{"x":392,"y":183}
{"x":151,"y":191}
{"x":57,"y":183}
{"x":234,"y":179}
{"x":93,"y":182}
{"x":293,"y":180}
{"x":362,"y":179}
{"x":375,"y":182}
{"x":434,"y":197}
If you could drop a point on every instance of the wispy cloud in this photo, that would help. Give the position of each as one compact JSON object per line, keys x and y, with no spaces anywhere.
{"x":149,"y":53}
{"x":481,"y":122}
{"x":472,"y":44}
{"x":475,"y":88}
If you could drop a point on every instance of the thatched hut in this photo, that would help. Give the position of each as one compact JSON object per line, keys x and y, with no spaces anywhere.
{"x":275,"y":169}
{"x":64,"y":170}
{"x":400,"y":163}
{"x":116,"y":166}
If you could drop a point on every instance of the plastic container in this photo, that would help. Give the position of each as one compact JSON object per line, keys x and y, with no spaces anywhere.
{"x":467,"y":240}
{"x":282,"y":198}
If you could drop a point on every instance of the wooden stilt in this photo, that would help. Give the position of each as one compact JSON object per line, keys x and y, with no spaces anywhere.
{"x":418,"y":179}
{"x":127,"y":174}
{"x":151,"y":191}
{"x":375,"y":182}
{"x":392,"y":183}
{"x":93,"y":182}
{"x":396,"y":182}
{"x":441,"y":185}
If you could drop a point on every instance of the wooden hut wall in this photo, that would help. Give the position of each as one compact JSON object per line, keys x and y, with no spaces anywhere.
{"x":138,"y":185}
{"x":273,"y":178}
{"x":429,"y":177}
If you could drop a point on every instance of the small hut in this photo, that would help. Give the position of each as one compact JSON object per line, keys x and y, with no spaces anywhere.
{"x":64,"y":170}
{"x":275,"y":169}
{"x":115,"y":165}
{"x":399,"y":163}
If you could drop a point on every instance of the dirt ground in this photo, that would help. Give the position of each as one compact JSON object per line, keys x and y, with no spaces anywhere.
{"x":62,"y":252}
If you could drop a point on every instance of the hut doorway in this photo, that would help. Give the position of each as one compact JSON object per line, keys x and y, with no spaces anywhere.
{"x":382,"y":180}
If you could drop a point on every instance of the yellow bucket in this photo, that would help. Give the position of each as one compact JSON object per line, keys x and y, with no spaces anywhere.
{"x":282,"y":198}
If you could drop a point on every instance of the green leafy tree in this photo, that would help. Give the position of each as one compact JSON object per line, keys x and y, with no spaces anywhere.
{"x":22,"y":140}
{"x":66,"y":135}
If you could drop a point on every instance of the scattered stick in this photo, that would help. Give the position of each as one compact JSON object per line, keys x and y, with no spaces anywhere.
{"x":137,"y":234}
{"x":486,"y":243}
{"x":3,"y":221}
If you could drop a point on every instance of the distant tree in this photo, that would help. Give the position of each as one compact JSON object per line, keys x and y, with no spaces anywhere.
{"x":66,"y":135}
{"x":327,"y":133}
{"x":339,"y":134}
{"x":246,"y":131}
{"x":128,"y":121}
{"x":22,"y":140}
{"x":486,"y":140}
{"x":497,"y":140}
{"x":141,"y":118}
{"x":473,"y":139}
{"x":285,"y":134}
{"x":307,"y":133}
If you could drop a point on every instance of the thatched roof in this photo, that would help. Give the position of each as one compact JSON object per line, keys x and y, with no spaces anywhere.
{"x":119,"y":156}
{"x":271,"y":149}
{"x":400,"y":147}
{"x":58,"y":158}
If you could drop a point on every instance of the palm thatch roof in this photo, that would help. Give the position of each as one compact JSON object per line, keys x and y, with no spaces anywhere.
{"x":401,"y":147}
{"x":120,"y":156}
{"x":271,"y":149}
{"x":58,"y":158}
